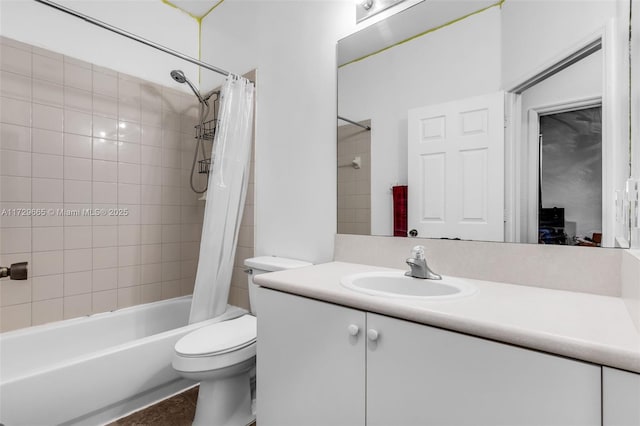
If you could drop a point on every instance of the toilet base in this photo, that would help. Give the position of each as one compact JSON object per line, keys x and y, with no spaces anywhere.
{"x":225,"y":402}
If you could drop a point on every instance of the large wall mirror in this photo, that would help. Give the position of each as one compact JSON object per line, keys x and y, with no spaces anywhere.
{"x":492,"y":122}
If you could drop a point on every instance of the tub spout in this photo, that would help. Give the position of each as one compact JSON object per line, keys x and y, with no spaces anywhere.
{"x":17,"y":271}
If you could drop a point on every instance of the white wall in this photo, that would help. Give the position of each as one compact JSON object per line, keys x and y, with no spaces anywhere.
{"x":458,"y":61}
{"x":292,"y":46}
{"x":42,"y":26}
{"x":536,"y":31}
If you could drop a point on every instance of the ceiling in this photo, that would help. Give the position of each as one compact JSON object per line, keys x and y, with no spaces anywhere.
{"x":196,"y":8}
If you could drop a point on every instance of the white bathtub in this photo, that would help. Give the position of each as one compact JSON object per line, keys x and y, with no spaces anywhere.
{"x":92,"y":370}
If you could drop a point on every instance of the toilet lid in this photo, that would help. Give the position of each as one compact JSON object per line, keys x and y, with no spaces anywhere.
{"x":225,"y":336}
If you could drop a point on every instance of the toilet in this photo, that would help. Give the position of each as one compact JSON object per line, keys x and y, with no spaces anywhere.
{"x":222,"y":357}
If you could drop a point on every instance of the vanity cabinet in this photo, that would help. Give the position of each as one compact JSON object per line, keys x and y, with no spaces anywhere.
{"x":620,"y":398}
{"x":324,"y":364}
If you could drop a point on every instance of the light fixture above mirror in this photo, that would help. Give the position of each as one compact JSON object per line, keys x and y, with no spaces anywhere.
{"x":367,"y":8}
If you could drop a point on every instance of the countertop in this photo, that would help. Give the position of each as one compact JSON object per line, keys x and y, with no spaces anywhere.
{"x":583,"y":326}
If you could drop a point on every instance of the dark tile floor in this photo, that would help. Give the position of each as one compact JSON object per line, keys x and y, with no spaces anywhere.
{"x":175,"y":411}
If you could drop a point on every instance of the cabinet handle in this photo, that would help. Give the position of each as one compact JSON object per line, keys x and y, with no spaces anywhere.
{"x":353,"y":329}
{"x":373,"y":334}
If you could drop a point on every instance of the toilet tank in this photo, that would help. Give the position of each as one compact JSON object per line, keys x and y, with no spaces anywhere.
{"x":263,"y":264}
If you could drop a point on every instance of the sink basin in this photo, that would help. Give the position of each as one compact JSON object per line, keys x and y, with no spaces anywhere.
{"x":396,"y":284}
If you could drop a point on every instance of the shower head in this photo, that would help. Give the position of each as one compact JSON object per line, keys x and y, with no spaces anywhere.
{"x":179,"y":76}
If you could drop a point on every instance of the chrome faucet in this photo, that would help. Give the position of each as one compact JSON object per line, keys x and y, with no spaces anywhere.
{"x":418,"y":264}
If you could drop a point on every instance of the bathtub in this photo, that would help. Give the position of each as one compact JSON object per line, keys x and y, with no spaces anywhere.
{"x":95,"y":369}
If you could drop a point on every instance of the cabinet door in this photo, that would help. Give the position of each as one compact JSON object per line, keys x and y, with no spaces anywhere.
{"x":310,"y":369}
{"x":419,"y":375}
{"x":620,"y":398}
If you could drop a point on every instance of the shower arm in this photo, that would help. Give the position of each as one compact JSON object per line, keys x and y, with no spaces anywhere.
{"x":132,"y":36}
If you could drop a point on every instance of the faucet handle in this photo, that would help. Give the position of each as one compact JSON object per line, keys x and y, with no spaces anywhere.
{"x":418,"y":252}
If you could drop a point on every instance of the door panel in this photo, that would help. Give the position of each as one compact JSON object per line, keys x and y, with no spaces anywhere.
{"x":456,"y":169}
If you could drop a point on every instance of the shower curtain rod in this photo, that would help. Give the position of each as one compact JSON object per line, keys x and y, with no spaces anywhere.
{"x":354,"y":123}
{"x":132,"y":36}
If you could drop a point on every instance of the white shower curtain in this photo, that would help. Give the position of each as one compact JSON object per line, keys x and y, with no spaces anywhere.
{"x":226,"y":194}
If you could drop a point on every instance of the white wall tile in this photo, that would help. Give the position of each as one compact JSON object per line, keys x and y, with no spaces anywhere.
{"x":171,"y":289}
{"x":15,"y":240}
{"x":171,"y":252}
{"x":47,"y":263}
{"x":105,"y":84}
{"x":129,"y":132}
{"x":15,"y":316}
{"x":128,"y":276}
{"x":105,"y":149}
{"x":46,"y":311}
{"x":48,"y":117}
{"x":47,"y":190}
{"x":150,"y":175}
{"x":48,"y":68}
{"x":106,"y":128}
{"x":129,"y":173}
{"x":151,"y":194}
{"x":151,"y":135}
{"x":48,"y":239}
{"x":15,"y":111}
{"x":129,"y":112}
{"x":78,"y":99}
{"x":13,"y":188}
{"x":105,"y":171}
{"x":105,"y":257}
{"x":171,"y":158}
{"x":47,"y":142}
{"x":47,"y":287}
{"x":77,"y":260}
{"x":47,"y":166}
{"x":151,"y":117}
{"x":15,"y":86}
{"x":131,"y":214}
{"x":151,"y":155}
{"x":105,"y":192}
{"x":129,"y":255}
{"x":105,"y":236}
{"x":129,"y":152}
{"x":104,"y":301}
{"x":77,"y":306}
{"x":151,"y":292}
{"x":78,"y":123}
{"x":151,"y":215}
{"x":170,"y":215}
{"x":170,"y":271}
{"x":52,"y":216}
{"x":75,"y":214}
{"x":13,"y":215}
{"x":77,"y":146}
{"x":78,"y":237}
{"x":45,"y":92}
{"x":104,"y":219}
{"x":128,"y":296}
{"x":129,"y":235}
{"x":105,"y":106}
{"x":76,"y":191}
{"x":151,"y":234}
{"x":14,"y":292}
{"x":151,"y":253}
{"x":15,"y":60}
{"x":77,"y":283}
{"x":15,"y":163}
{"x":17,"y":138}
{"x":171,"y":139}
{"x":77,"y":168}
{"x":128,"y":194}
{"x":77,"y":76}
{"x":105,"y":279}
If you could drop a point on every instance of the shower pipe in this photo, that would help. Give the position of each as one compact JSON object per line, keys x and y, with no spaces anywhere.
{"x":132,"y":36}
{"x":352,"y":122}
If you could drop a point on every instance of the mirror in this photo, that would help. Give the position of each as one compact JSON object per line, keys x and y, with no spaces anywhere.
{"x":429,"y":95}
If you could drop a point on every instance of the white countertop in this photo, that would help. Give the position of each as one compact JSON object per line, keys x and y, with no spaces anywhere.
{"x":583,"y":326}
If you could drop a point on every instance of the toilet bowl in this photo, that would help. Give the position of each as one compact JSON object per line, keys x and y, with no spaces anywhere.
{"x":222,"y":357}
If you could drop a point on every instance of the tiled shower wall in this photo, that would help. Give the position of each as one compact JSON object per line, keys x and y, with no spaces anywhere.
{"x":354,"y":185}
{"x":77,"y":138}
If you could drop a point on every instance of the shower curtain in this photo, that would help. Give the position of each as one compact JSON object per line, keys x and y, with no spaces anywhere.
{"x":228,"y":178}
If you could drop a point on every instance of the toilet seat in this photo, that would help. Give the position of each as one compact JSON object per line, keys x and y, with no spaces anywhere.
{"x":217,"y":346}
{"x":219,"y":338}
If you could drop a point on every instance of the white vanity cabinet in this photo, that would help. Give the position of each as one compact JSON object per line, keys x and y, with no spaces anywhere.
{"x":620,"y":398}
{"x":312,"y":371}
